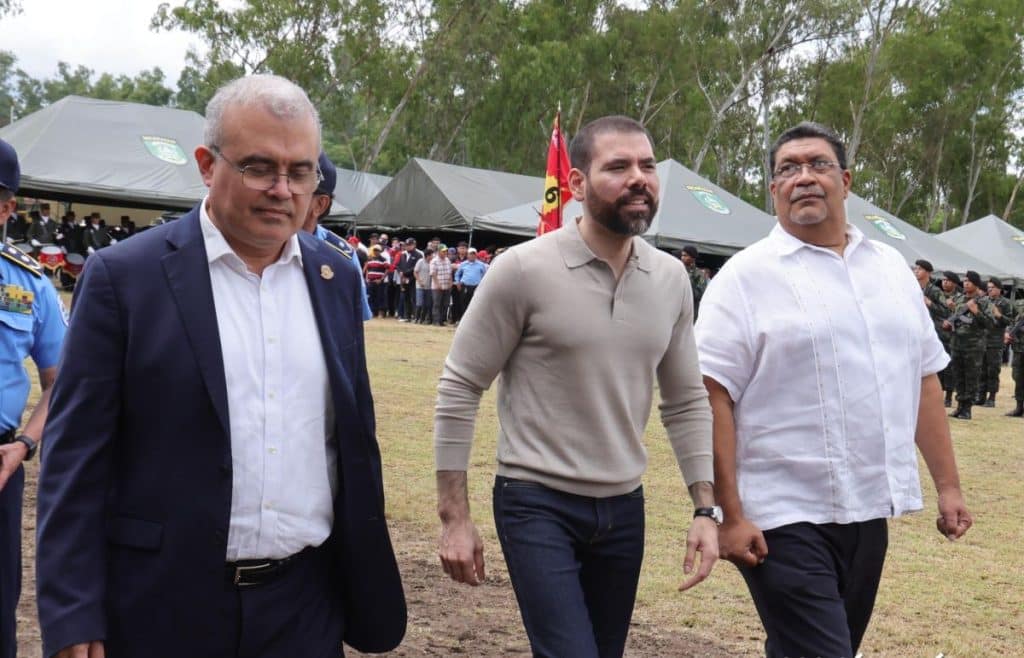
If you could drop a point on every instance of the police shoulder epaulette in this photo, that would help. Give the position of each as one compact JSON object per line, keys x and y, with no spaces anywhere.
{"x":21,"y":259}
{"x":341,"y":247}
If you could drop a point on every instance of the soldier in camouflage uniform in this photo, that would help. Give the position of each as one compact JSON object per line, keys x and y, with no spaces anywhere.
{"x":969,"y":323}
{"x":698,"y":281}
{"x":1000,"y":315}
{"x":951,"y":296}
{"x":1014,"y":336}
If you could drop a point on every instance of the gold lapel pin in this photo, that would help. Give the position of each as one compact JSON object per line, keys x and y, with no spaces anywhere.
{"x":326,"y":272}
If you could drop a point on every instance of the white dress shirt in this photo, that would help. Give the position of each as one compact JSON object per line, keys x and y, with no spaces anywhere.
{"x":284,"y":463}
{"x":823,"y":356}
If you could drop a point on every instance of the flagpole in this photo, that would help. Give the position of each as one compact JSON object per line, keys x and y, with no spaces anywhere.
{"x":558,"y":166}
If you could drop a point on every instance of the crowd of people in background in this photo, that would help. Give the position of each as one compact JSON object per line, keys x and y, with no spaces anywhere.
{"x":978,"y":326}
{"x":432,"y":286}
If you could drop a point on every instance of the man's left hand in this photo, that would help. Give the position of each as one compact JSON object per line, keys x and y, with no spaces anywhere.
{"x":954,"y":519}
{"x":11,"y":456}
{"x":703,"y":539}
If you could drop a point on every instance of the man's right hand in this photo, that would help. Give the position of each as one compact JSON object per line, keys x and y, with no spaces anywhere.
{"x":741,"y":542}
{"x":90,"y":650}
{"x":462,"y":552}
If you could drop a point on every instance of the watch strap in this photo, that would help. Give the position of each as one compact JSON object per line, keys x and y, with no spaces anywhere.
{"x":29,"y":443}
{"x":713,"y":513}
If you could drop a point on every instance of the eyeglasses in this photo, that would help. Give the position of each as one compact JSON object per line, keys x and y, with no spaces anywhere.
{"x":263,"y":177}
{"x":791,"y":169}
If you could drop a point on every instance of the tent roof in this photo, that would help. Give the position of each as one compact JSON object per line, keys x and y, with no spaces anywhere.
{"x":433,"y":195}
{"x":353,"y":190}
{"x":691,"y":211}
{"x":912,"y":242}
{"x":84,"y":149}
{"x":695,"y":211}
{"x":1002,"y":244}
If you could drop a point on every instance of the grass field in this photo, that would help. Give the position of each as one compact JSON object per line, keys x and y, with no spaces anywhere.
{"x":961,"y":599}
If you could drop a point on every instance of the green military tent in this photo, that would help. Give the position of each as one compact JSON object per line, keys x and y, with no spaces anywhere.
{"x":109,"y":152}
{"x":691,"y":210}
{"x":429,"y":195}
{"x":353,"y":190}
{"x":999,"y":243}
{"x":912,"y":242}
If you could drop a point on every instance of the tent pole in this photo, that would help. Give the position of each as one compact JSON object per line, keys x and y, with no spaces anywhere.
{"x":470,"y":233}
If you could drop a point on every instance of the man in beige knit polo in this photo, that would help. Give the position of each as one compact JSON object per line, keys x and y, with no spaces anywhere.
{"x":578,"y":323}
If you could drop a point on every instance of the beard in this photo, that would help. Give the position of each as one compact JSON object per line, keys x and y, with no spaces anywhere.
{"x":618,"y":218}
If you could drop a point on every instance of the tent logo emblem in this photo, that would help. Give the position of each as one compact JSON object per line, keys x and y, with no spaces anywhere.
{"x":708,"y":199}
{"x":885,"y":226}
{"x":166,"y":149}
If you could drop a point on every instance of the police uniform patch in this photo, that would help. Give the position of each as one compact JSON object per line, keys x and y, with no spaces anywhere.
{"x":15,"y":299}
{"x":21,"y":259}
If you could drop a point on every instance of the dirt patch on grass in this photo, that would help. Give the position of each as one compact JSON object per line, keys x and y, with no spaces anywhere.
{"x":447,"y":619}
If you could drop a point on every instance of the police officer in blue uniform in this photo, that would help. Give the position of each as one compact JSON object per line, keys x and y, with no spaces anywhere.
{"x":32,"y":323}
{"x":319,"y":208}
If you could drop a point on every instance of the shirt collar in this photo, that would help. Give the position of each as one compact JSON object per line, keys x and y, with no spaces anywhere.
{"x":576,"y":253}
{"x":217,"y":248}
{"x":787,"y":244}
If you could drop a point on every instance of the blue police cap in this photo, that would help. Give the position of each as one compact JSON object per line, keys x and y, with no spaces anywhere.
{"x":10,"y":172}
{"x":330,"y":176}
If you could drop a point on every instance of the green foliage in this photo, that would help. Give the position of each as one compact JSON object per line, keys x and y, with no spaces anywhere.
{"x":928,"y":93}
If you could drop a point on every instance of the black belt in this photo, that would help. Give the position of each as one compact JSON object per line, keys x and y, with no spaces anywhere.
{"x":250,"y":573}
{"x":8,"y":436}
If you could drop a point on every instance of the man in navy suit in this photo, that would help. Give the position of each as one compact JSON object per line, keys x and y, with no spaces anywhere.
{"x":212,"y":482}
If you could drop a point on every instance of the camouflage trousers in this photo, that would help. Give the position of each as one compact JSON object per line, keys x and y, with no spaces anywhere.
{"x":988,"y":380}
{"x":1017,"y":366}
{"x":947,"y":376}
{"x":966,"y":367}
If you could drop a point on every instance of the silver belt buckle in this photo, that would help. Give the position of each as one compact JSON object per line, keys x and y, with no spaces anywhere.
{"x":239,"y":570}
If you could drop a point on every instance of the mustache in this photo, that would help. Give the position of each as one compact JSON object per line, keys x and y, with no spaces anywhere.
{"x":810,"y":192}
{"x":627,"y":198}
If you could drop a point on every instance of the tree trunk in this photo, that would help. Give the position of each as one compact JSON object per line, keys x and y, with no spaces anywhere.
{"x":1013,"y":196}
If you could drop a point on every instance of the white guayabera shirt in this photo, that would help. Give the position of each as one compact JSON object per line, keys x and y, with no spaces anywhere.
{"x":823,"y":356}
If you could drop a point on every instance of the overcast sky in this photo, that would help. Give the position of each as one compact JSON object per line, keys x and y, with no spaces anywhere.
{"x":108,"y":36}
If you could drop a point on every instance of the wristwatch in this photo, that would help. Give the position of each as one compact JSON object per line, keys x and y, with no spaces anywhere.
{"x":30,"y":443}
{"x":713,"y":513}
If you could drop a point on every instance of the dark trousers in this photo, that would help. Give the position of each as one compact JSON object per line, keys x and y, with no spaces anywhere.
{"x":392,"y":295}
{"x":1017,"y":368}
{"x":378,"y":296}
{"x":991,"y":364}
{"x":967,"y":366}
{"x":574,"y":563}
{"x":816,"y":589}
{"x":298,"y":614}
{"x":407,"y":301}
{"x":947,"y":376}
{"x":465,"y":297}
{"x":440,"y":305}
{"x":10,"y":561}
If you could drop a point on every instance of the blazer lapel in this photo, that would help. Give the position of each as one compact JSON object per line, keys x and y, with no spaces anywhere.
{"x":333,"y":320}
{"x":188,"y":274}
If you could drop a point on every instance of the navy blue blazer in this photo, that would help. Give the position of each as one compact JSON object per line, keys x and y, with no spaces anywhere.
{"x":135,"y":488}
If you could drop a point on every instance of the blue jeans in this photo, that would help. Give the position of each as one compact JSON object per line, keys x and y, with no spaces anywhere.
{"x":574,"y":562}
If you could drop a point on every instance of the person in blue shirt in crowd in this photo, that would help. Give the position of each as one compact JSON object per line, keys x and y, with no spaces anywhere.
{"x":318,"y":209}
{"x":469,"y":275}
{"x":32,"y":323}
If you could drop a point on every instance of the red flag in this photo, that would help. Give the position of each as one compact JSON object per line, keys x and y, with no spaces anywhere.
{"x":556,"y":182}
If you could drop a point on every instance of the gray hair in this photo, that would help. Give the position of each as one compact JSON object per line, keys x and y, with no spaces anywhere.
{"x":279,"y":96}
